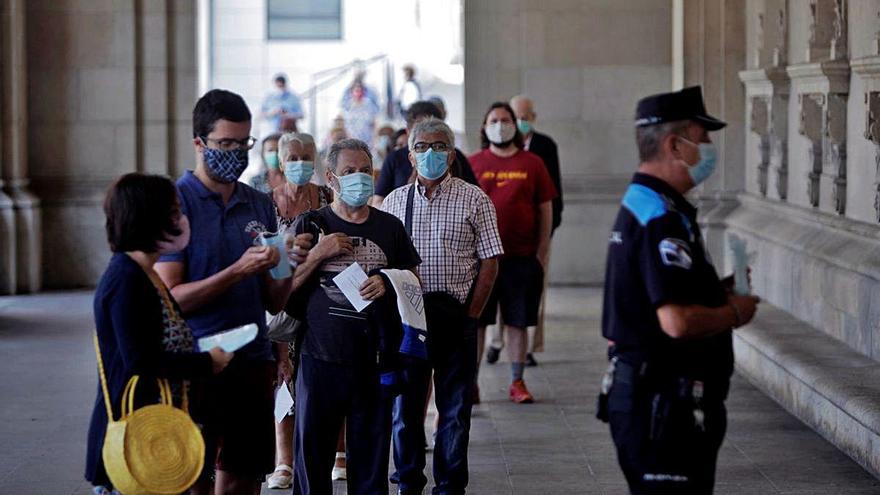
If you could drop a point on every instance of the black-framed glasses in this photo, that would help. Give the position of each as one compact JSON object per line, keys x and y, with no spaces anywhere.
{"x":232,"y":144}
{"x":422,"y":146}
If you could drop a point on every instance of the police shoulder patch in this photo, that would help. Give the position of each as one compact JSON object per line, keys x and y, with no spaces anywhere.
{"x":675,"y":252}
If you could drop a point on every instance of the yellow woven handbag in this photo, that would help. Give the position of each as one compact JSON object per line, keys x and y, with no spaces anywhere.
{"x":156,"y":449}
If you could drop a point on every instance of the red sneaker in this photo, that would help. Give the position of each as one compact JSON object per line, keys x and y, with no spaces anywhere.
{"x":519,"y":393}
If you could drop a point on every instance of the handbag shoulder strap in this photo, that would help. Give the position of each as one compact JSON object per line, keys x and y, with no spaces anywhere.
{"x":104,"y":389}
{"x":410,"y":198}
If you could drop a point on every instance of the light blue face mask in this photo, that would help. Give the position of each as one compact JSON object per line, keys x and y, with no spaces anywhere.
{"x":299,"y":172}
{"x":525,"y":127}
{"x":708,"y":160}
{"x":432,"y":164}
{"x":355,"y":189}
{"x":271,"y":159}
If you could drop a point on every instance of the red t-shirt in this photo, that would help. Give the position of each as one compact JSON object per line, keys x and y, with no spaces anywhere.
{"x":517,"y":186}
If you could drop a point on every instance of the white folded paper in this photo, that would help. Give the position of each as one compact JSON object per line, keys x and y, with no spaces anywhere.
{"x":741,"y":261}
{"x":230,"y":340}
{"x":349,"y":282}
{"x":283,"y":402}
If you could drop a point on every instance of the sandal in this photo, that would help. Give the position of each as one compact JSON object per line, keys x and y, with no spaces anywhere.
{"x":281,"y":478}
{"x":339,"y":472}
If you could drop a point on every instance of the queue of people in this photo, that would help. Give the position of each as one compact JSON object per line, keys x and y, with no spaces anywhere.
{"x":463,"y":242}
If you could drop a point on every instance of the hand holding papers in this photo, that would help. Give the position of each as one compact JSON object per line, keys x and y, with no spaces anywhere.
{"x":349,"y":282}
{"x":230,"y":340}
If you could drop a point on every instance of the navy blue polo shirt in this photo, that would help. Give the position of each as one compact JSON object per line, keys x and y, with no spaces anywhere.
{"x":656,"y":256}
{"x":220,"y":235}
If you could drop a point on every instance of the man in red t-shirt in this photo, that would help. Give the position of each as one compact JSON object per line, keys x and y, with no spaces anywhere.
{"x":522,"y":191}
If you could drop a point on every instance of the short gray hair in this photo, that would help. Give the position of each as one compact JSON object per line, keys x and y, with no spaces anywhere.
{"x":347,"y":144}
{"x":430,"y":125}
{"x":648,"y":138}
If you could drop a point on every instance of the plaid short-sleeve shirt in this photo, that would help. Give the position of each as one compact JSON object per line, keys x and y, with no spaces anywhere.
{"x":452,"y":231}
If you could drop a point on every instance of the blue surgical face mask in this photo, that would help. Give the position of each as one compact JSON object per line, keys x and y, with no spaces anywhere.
{"x":432,"y":164}
{"x":271,"y":159}
{"x":355,"y":189}
{"x":225,"y":166}
{"x":708,"y":160}
{"x":299,"y":172}
{"x":525,"y":127}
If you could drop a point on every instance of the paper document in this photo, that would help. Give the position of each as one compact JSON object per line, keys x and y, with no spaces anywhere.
{"x":741,"y":260}
{"x":349,"y":282}
{"x":229,"y":340}
{"x":283,"y":402}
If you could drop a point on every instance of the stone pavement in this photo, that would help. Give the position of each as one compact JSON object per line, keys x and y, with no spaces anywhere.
{"x":48,"y":384}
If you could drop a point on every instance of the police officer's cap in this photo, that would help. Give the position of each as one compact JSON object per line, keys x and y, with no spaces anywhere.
{"x":686,"y":104}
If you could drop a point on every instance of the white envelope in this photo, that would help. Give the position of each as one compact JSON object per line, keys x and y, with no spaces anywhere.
{"x":230,"y":340}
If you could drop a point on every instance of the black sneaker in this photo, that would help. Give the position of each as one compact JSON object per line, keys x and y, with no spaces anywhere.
{"x":492,"y":355}
{"x":530,"y":360}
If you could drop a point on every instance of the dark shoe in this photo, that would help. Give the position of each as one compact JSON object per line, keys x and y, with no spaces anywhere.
{"x":492,"y":355}
{"x":530,"y":360}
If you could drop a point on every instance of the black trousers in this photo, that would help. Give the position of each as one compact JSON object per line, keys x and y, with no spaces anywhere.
{"x":660,"y":448}
{"x":326,"y":395}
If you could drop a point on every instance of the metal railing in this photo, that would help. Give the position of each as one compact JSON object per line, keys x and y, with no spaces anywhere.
{"x":320,"y":81}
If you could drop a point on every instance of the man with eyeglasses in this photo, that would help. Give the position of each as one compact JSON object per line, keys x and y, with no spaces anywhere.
{"x":398,"y":171}
{"x":221,"y":282}
{"x":454,"y":228}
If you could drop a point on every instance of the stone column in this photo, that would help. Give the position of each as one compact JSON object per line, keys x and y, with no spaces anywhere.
{"x":714,"y":54}
{"x":111,"y":86}
{"x":20,"y":252}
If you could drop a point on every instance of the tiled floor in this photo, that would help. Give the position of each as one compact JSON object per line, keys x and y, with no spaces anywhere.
{"x":47,"y":389}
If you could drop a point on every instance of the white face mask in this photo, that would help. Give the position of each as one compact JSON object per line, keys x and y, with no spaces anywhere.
{"x":500,"y":132}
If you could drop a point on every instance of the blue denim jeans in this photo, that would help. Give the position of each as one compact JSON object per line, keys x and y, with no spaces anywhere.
{"x":452,"y":349}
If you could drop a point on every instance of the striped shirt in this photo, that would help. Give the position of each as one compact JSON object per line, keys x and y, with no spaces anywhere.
{"x":452,"y":231}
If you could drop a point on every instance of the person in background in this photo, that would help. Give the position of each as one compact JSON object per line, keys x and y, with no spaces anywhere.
{"x":397,"y":169}
{"x":281,"y":107}
{"x":339,"y":377}
{"x":398,"y":140}
{"x":271,"y":176}
{"x":138,"y":323}
{"x":454,"y":227}
{"x":221,"y":281}
{"x":522,"y":191}
{"x":382,"y":144}
{"x":543,"y":146}
{"x":410,"y":91}
{"x":360,"y":109}
{"x":295,"y":196}
{"x":336,"y":133}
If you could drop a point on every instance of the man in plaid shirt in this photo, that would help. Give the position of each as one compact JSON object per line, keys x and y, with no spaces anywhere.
{"x":454,"y":228}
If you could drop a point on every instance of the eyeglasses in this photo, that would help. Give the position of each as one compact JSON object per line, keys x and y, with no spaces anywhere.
{"x":422,"y":146}
{"x":231,"y":144}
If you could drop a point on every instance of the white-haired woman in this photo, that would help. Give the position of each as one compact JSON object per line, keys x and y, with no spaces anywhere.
{"x":297,"y":195}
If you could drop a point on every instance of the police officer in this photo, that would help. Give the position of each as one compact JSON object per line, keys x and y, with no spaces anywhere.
{"x":667,"y":315}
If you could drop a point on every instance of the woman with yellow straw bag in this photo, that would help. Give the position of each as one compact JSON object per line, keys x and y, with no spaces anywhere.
{"x":142,"y":342}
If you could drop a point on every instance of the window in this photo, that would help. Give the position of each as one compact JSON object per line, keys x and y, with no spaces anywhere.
{"x":304,"y":19}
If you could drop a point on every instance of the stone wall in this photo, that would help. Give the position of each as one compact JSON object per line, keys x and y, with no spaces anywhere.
{"x":812,"y":162}
{"x":110,"y":90}
{"x":585,"y":64}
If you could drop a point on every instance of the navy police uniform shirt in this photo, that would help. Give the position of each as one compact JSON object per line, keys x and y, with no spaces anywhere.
{"x":656,"y":256}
